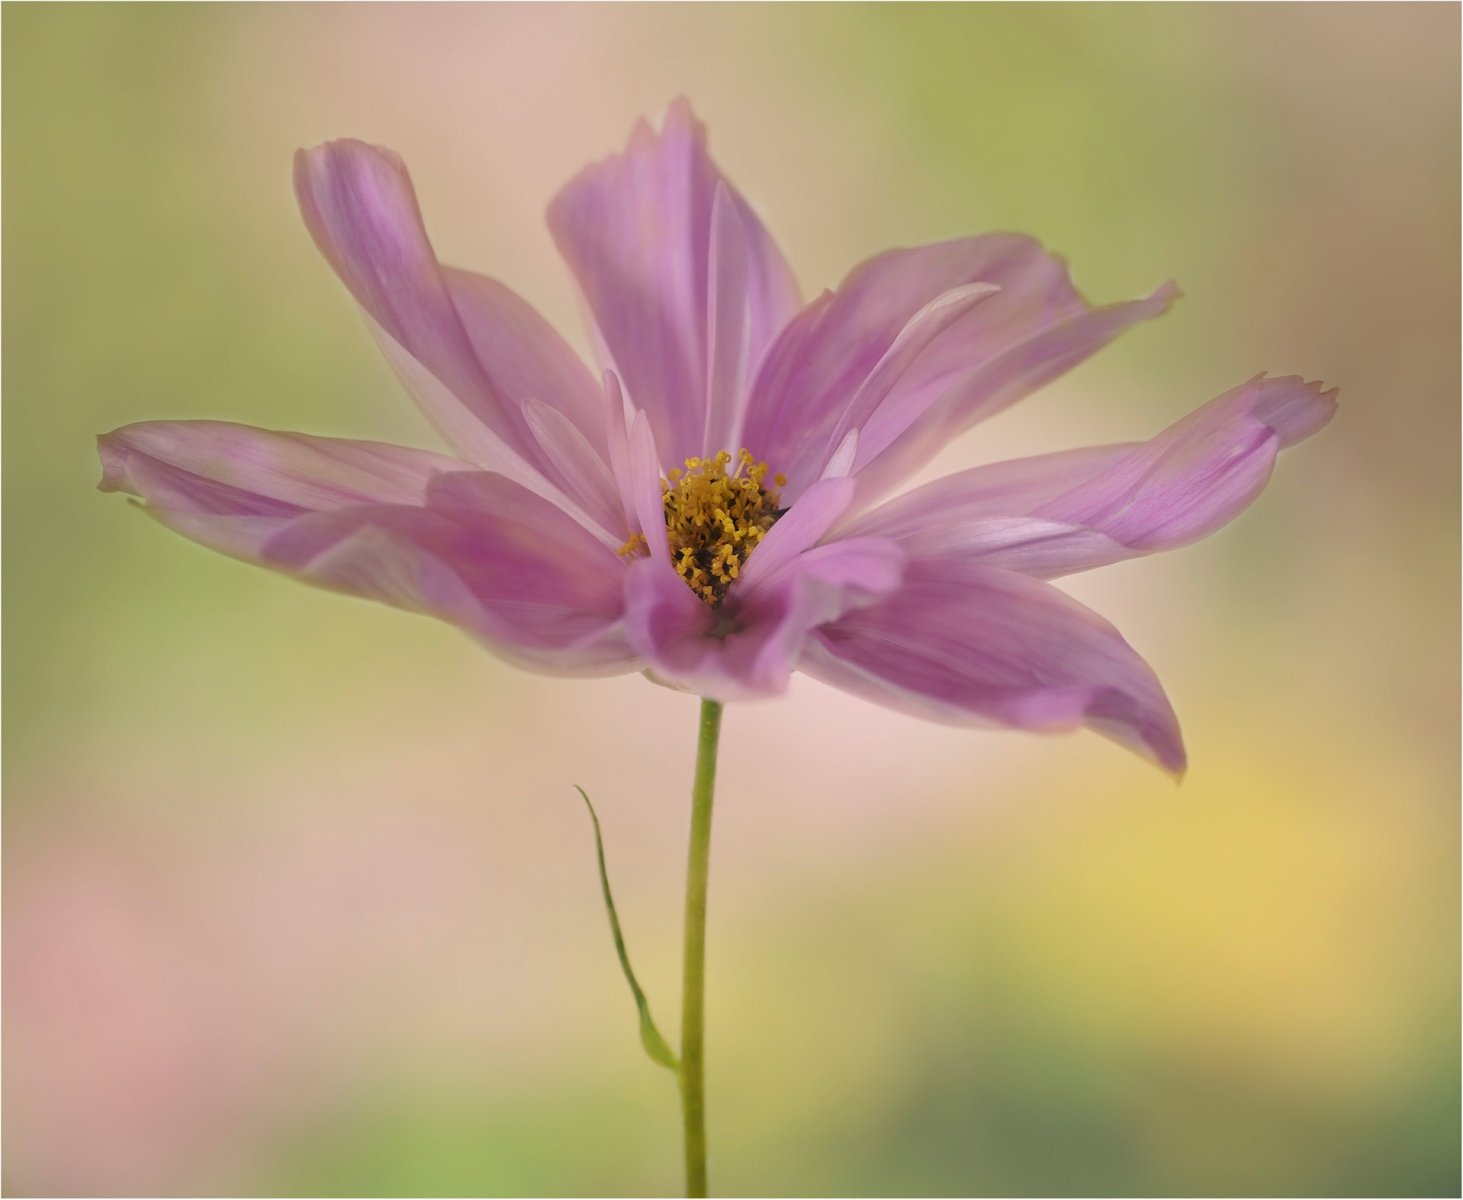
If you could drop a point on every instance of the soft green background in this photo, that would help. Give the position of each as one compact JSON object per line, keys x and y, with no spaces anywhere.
{"x":298,"y":897}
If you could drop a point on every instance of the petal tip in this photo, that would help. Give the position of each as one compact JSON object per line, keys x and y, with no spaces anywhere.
{"x":1165,"y":746}
{"x":112,"y":473}
{"x":359,"y":168}
{"x":337,"y":147}
{"x":681,"y":125}
{"x":680,"y":111}
{"x":1142,"y":720}
{"x":1294,"y":407}
{"x":1167,"y":293}
{"x":310,"y":159}
{"x":1174,"y":764}
{"x":112,"y":452}
{"x":1165,"y":750}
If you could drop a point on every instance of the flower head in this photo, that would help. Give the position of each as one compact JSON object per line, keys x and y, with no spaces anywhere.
{"x":711,"y":509}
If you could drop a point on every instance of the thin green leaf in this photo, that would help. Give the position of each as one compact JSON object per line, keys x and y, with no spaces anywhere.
{"x":650,"y":1037}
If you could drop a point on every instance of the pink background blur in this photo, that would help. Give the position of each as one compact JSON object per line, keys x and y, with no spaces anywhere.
{"x":298,"y":897}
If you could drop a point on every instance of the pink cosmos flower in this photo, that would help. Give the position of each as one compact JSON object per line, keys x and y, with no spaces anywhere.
{"x":713,"y":510}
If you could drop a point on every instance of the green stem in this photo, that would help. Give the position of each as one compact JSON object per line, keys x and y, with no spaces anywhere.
{"x":693,"y":986}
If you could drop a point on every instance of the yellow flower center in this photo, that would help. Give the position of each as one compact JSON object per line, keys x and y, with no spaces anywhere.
{"x":715,"y":519}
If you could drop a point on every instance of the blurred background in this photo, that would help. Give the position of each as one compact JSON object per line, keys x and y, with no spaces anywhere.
{"x":298,"y":897}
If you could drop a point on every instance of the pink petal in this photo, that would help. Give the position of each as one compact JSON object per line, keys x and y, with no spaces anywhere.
{"x":487,"y":351}
{"x":1034,"y":546}
{"x":971,"y":644}
{"x":1001,"y":489}
{"x":803,"y":439}
{"x":728,"y":336}
{"x":524,"y":357}
{"x":230,"y":486}
{"x":296,"y":468}
{"x":749,"y":646}
{"x":880,"y":409}
{"x":405,"y":527}
{"x":669,"y":627}
{"x":842,"y":460}
{"x":358,"y":203}
{"x":619,"y":421}
{"x":1200,"y":473}
{"x":645,"y":486}
{"x":484,"y":554}
{"x":1067,"y":512}
{"x":481,"y":446}
{"x":802,"y":526}
{"x":808,"y":391}
{"x":580,"y":465}
{"x":942,"y":408}
{"x":638,"y":231}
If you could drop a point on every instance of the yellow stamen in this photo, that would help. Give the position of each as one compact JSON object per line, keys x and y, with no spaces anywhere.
{"x":714,"y":520}
{"x":635,"y":545}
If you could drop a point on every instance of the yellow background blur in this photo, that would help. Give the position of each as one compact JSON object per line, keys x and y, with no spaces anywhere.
{"x":297,"y":894}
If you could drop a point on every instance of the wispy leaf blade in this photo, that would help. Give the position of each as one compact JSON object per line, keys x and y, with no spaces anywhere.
{"x":650,"y":1037}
